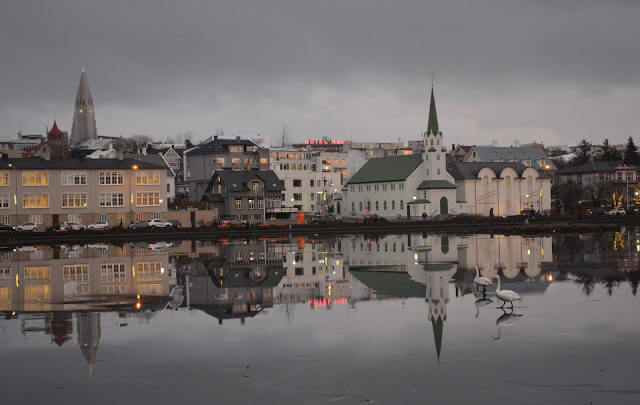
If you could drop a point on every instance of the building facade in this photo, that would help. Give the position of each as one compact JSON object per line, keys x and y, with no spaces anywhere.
{"x":203,"y":160}
{"x":311,"y":176}
{"x":246,"y":195}
{"x":434,"y":183}
{"x":84,"y":191}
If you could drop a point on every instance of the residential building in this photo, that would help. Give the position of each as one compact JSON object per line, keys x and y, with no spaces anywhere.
{"x":311,"y":176}
{"x":76,"y":190}
{"x":600,"y":179}
{"x":203,"y":160}
{"x":84,"y":118}
{"x":432,"y":184}
{"x":248,"y":195}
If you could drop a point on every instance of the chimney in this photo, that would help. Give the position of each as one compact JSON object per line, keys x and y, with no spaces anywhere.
{"x":237,"y":137}
{"x":215,"y":137}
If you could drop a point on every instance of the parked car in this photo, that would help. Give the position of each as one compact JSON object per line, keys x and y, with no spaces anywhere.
{"x":6,"y":228}
{"x":616,"y":211}
{"x":594,"y":212}
{"x":158,"y":223}
{"x":75,"y":226}
{"x":98,"y":226}
{"x":174,"y":223}
{"x":58,"y":227}
{"x":374,"y":218}
{"x":28,"y":227}
{"x":232,"y":223}
{"x":139,"y":225}
{"x":528,"y":213}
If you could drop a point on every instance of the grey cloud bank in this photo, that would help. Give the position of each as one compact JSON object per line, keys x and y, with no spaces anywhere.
{"x":543,"y":70}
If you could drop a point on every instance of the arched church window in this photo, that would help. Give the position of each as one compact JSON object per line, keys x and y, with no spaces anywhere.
{"x":437,"y":141}
{"x":377,"y":206}
{"x":360,"y":205}
{"x":431,"y":142}
{"x":384,"y":205}
{"x":393,"y":204}
{"x":438,"y":172}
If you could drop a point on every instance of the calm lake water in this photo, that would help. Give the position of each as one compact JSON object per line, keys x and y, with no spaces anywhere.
{"x":349,"y":320}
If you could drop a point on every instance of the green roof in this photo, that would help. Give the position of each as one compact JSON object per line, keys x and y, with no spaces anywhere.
{"x":432,"y":123}
{"x":393,"y":284}
{"x":435,"y":184}
{"x":393,"y":168}
{"x":419,"y":201}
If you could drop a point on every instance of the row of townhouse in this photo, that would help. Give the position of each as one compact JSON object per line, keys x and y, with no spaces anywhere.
{"x":81,"y":190}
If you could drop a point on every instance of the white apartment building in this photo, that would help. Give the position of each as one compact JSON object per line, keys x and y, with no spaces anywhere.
{"x":311,"y":177}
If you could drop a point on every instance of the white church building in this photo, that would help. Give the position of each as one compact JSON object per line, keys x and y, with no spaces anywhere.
{"x":432,"y":183}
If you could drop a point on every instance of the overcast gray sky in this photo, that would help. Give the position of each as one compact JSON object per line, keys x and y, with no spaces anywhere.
{"x":547,"y":70}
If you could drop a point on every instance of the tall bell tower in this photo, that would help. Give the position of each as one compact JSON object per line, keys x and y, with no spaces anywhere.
{"x":84,"y":118}
{"x":435,"y":151}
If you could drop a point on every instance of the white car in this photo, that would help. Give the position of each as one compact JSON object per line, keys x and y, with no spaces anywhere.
{"x":98,"y":226}
{"x":28,"y":227}
{"x":619,"y":211}
{"x":74,"y":226}
{"x":158,"y":223}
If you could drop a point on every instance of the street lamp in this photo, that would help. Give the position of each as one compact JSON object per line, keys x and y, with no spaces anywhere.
{"x":15,"y":196}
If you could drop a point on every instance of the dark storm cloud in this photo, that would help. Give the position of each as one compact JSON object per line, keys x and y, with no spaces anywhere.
{"x":505,"y":69}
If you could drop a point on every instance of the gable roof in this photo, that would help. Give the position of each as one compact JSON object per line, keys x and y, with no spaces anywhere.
{"x":70,"y":163}
{"x":236,"y":181}
{"x":592,"y":167}
{"x":392,"y":168}
{"x":218,"y":145}
{"x":493,"y":153}
{"x":470,"y":170}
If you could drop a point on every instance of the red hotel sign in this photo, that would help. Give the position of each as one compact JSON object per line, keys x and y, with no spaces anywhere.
{"x":321,"y":141}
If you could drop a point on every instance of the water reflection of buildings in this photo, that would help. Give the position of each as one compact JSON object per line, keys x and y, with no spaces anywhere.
{"x":45,"y":287}
{"x":424,"y":266}
{"x":236,"y":280}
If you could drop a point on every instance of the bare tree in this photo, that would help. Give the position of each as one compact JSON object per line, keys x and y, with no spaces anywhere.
{"x":284,"y":137}
{"x":219,"y":132}
{"x":141,"y":139}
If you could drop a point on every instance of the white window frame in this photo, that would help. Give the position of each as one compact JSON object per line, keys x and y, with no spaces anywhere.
{"x":41,"y":176}
{"x":5,"y":201}
{"x":108,"y":199}
{"x":78,"y":200}
{"x":73,"y":178}
{"x":36,"y":219}
{"x":152,"y":199}
{"x":36,"y":198}
{"x":111,"y":178}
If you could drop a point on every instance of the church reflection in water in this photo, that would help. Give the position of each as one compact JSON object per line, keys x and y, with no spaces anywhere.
{"x":54,"y":290}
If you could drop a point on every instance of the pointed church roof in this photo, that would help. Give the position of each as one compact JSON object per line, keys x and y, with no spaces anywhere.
{"x":437,"y":334}
{"x":84,"y":94}
{"x":432,"y":124}
{"x":54,"y":132}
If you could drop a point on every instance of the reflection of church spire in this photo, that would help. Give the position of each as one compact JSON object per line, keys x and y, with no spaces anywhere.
{"x":88,"y":326}
{"x":438,"y":327}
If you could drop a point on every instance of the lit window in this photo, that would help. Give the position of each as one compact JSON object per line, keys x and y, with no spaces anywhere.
{"x":35,"y":201}
{"x":4,"y":178}
{"x":35,"y":178}
{"x":146,"y":178}
{"x":147,"y":199}
{"x":111,"y":200}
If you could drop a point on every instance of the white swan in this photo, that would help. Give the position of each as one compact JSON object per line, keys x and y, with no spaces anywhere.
{"x":481,"y":281}
{"x":506,"y":295}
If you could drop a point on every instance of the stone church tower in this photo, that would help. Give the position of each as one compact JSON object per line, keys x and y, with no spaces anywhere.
{"x":84,"y":119}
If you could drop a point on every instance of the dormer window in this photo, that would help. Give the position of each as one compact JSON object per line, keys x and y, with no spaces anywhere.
{"x":254,"y":187}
